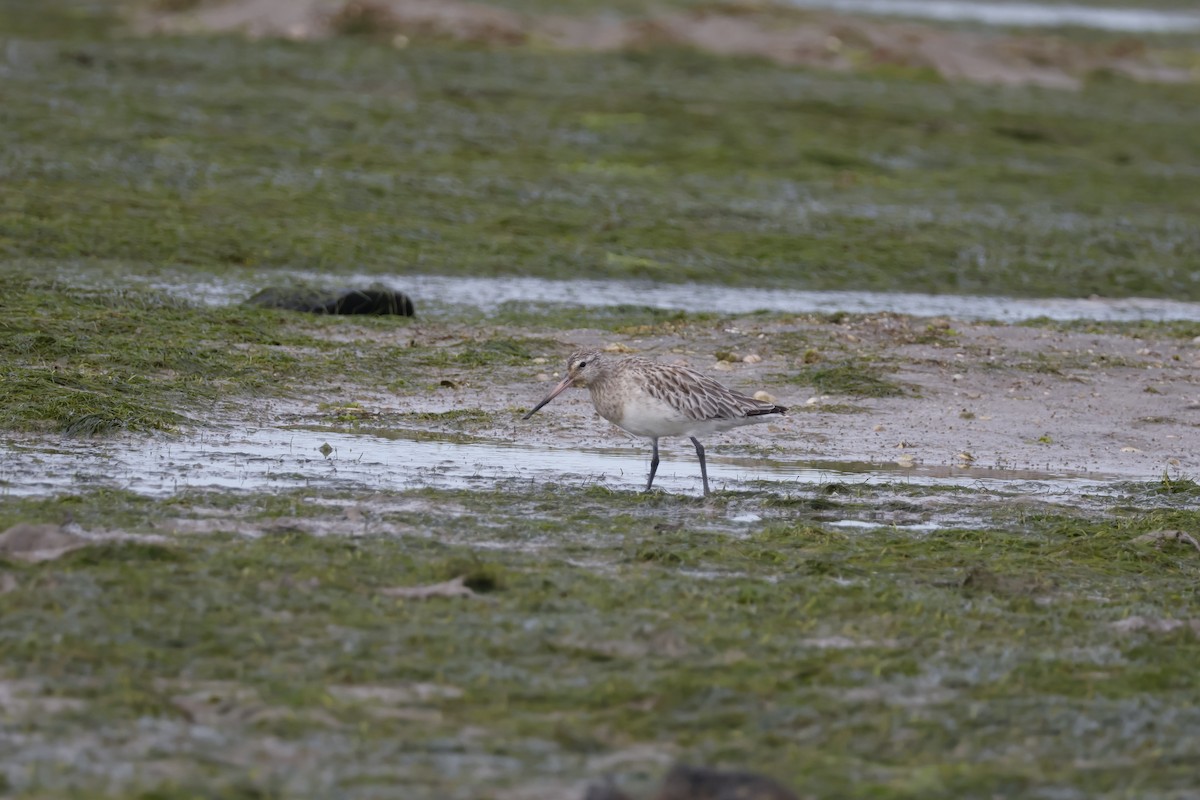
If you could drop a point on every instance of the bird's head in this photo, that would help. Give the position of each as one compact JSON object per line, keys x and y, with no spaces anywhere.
{"x":583,"y":366}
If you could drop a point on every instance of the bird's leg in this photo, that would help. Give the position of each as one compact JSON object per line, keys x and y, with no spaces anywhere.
{"x":703,"y":466}
{"x":653,"y":463}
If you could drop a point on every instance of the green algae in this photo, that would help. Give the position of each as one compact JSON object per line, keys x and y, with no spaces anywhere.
{"x":858,"y":378}
{"x":855,"y":662}
{"x":91,"y":362}
{"x":215,"y":153}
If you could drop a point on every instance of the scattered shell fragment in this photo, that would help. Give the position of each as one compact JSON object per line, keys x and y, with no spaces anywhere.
{"x":451,"y":588}
{"x":397,"y":694}
{"x":34,"y":543}
{"x":617,"y":347}
{"x":906,"y":460}
{"x":965,"y":456}
{"x":723,"y":366}
{"x":1154,"y":625}
{"x":764,"y":397}
{"x":1159,"y":538}
{"x":753,"y":358}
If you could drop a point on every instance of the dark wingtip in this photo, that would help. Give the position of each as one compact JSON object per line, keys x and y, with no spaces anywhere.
{"x":759,"y":412}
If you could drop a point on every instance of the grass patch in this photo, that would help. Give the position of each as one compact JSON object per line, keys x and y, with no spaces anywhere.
{"x":848,"y":378}
{"x":458,"y":416}
{"x":1171,"y":329}
{"x":87,"y":362}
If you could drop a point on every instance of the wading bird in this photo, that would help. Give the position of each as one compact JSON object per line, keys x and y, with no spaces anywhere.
{"x":654,"y":400}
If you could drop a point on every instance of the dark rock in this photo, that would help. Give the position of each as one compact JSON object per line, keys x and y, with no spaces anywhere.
{"x":375,"y":300}
{"x":700,"y":783}
{"x":605,"y":791}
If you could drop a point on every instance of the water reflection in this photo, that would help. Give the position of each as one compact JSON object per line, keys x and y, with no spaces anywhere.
{"x":1031,"y":15}
{"x":490,"y":294}
{"x":271,"y":459}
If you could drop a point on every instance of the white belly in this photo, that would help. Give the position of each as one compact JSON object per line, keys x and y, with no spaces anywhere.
{"x":643,"y":415}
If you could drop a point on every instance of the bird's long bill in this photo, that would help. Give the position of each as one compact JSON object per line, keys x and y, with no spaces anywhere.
{"x":563,"y":385}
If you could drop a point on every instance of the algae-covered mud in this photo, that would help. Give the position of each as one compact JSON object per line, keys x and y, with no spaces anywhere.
{"x":246,"y":552}
{"x":315,"y":556}
{"x":247,"y":644}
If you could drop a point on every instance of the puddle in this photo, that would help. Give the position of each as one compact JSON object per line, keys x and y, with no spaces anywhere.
{"x":490,"y":294}
{"x":1024,"y":15}
{"x":274,"y":459}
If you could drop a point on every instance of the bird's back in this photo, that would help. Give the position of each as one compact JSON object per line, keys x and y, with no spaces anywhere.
{"x":647,"y":398}
{"x":700,"y":397}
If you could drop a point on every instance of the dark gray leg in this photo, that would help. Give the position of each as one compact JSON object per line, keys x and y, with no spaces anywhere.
{"x":703,"y":466}
{"x":653,"y":463}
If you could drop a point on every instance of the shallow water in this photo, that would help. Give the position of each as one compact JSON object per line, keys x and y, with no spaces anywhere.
{"x":1031,"y":15}
{"x":273,"y":459}
{"x":490,"y":294}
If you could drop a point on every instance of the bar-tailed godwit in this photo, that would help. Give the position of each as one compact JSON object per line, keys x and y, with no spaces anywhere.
{"x":653,"y":400}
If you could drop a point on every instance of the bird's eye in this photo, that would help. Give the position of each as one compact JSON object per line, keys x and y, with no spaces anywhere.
{"x":581,"y":365}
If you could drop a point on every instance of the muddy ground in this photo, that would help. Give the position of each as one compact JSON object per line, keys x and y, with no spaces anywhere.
{"x":954,"y":394}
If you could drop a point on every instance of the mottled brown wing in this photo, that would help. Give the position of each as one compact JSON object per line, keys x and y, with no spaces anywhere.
{"x":698,"y":396}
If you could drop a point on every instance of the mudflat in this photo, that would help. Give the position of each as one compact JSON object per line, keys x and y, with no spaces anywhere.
{"x":255,"y":553}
